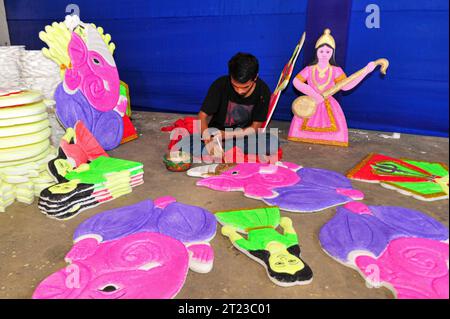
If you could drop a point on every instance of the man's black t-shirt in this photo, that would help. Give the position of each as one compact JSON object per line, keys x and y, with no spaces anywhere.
{"x":230,"y":110}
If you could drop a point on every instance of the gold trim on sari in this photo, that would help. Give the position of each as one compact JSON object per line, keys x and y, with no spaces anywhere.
{"x":300,"y":78}
{"x":340,"y":78}
{"x":316,"y":141}
{"x":332,"y":128}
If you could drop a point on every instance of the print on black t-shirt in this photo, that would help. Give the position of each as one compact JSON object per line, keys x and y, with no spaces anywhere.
{"x":238,"y":115}
{"x":230,"y":110}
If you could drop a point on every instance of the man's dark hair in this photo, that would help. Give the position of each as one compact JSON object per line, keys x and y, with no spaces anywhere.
{"x":243,"y":67}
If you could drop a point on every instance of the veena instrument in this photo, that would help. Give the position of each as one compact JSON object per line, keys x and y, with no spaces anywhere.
{"x":305,"y":106}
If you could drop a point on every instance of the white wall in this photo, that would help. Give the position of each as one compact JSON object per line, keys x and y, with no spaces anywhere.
{"x":4,"y":34}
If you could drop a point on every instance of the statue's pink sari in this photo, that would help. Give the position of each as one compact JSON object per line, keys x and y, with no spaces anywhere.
{"x":328,"y":124}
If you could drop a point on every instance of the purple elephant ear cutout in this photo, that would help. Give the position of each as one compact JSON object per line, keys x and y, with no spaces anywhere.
{"x":398,"y":246}
{"x":287,"y":185}
{"x":411,"y":222}
{"x":189,"y":224}
{"x":317,"y":190}
{"x":349,"y":231}
{"x":107,"y":127}
{"x":324,"y":178}
{"x":306,"y":198}
{"x":116,"y":223}
{"x":71,"y":108}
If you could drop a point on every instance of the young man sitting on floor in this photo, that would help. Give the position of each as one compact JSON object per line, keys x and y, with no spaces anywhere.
{"x":233,"y":111}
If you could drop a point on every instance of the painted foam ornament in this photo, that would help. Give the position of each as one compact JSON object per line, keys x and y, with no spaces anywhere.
{"x":400,"y":242}
{"x":124,"y":109}
{"x":279,"y":253}
{"x":255,"y":180}
{"x":139,"y":251}
{"x":67,"y":199}
{"x":93,"y":71}
{"x":80,"y":146}
{"x":284,"y":80}
{"x":98,"y":170}
{"x":192,"y":225}
{"x":107,"y":127}
{"x":413,"y":268}
{"x":82,"y":185}
{"x":91,"y":90}
{"x":317,"y":190}
{"x":427,"y":181}
{"x":318,"y":117}
{"x":80,"y":201}
{"x":286,"y":185}
{"x":62,"y":196}
{"x":139,"y":266}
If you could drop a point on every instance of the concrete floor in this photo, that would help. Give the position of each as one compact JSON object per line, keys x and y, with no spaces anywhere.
{"x":33,"y":246}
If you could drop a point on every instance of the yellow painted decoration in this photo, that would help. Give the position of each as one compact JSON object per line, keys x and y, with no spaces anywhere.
{"x":327,"y":39}
{"x":57,"y":37}
{"x":69,"y":135}
{"x":64,"y":188}
{"x":282,"y":261}
{"x":231,"y":233}
{"x":63,"y":167}
{"x":443,"y":182}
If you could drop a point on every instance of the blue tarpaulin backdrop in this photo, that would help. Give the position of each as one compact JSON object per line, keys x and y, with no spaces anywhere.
{"x":169,"y":52}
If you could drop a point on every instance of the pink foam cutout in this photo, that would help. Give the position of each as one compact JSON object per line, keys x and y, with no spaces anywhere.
{"x":358,"y":208}
{"x":416,"y":268}
{"x":163,"y":202}
{"x":256,"y":180}
{"x":139,"y":266}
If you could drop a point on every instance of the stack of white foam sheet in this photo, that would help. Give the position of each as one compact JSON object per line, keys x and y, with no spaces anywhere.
{"x":10,"y":66}
{"x":39,"y":73}
{"x":25,"y":147}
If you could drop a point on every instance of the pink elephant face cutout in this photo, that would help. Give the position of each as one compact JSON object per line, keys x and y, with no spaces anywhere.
{"x":97,"y":79}
{"x":414,"y":267}
{"x":139,"y":266}
{"x":256,"y":180}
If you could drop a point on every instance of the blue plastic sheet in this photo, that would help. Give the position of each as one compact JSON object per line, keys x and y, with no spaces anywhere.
{"x":170,"y":51}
